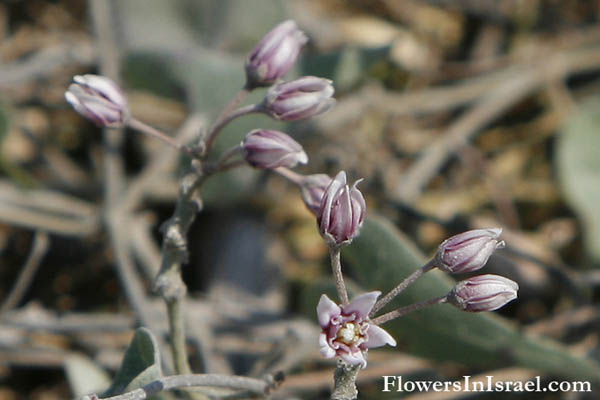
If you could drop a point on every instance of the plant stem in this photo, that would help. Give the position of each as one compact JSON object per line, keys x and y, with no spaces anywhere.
{"x":175,"y":310}
{"x":226,"y":118}
{"x":401,"y":286}
{"x":336,"y":266}
{"x":168,"y":283}
{"x":399,"y":312}
{"x":155,"y":133}
{"x":237,"y":100}
{"x":260,"y":387}
{"x":290,"y":175}
{"x":345,"y":382}
{"x":226,"y":156}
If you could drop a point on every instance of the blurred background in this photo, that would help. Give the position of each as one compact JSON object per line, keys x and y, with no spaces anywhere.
{"x":458,"y":114}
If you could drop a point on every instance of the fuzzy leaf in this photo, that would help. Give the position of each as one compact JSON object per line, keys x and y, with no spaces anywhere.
{"x":578,"y":167}
{"x":140,"y":366}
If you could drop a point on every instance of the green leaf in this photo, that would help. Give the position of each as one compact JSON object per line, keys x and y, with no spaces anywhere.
{"x":382,"y":256}
{"x":140,"y":366}
{"x":578,"y":166}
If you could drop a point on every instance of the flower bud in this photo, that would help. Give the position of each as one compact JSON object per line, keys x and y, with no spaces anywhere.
{"x":483,"y":293}
{"x":468,"y":251}
{"x":341,"y":212}
{"x":271,"y":149}
{"x":98,"y":99}
{"x":302,"y":98}
{"x":274,"y":55}
{"x":312,"y":188}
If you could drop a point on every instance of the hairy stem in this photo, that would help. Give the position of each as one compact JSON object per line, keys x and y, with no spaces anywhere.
{"x":224,"y":119}
{"x":225,"y":157}
{"x":290,"y":175}
{"x":255,"y":386}
{"x":175,"y":310}
{"x":336,"y":266}
{"x":345,"y":382}
{"x":168,"y":283}
{"x":402,"y":311}
{"x":401,"y":286}
{"x":155,"y":133}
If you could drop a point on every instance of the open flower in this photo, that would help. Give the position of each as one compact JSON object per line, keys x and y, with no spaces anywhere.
{"x":347,"y":330}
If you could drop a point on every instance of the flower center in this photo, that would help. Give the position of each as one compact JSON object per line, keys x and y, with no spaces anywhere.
{"x":350,"y":334}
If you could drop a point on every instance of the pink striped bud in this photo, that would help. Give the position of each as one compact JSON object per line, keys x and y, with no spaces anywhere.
{"x":341,"y":212}
{"x":271,"y":149}
{"x":468,"y":251}
{"x":312,"y":188}
{"x":274,"y":55}
{"x":483,"y":293}
{"x":302,"y":98}
{"x":98,"y":99}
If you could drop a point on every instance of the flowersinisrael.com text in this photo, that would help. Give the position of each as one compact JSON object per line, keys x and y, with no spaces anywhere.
{"x":397,"y":384}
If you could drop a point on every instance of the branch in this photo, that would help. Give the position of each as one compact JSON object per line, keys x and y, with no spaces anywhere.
{"x":345,"y":381}
{"x":38,"y":250}
{"x":256,"y":386}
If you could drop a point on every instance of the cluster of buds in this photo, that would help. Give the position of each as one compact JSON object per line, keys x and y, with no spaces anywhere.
{"x":349,"y":329}
{"x":302,"y":98}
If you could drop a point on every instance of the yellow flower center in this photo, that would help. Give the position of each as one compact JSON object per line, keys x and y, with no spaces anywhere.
{"x":350,"y":334}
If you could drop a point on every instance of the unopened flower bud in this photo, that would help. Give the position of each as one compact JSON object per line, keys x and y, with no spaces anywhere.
{"x":99,"y":99}
{"x":271,"y":149}
{"x":483,"y":293}
{"x":302,"y":98}
{"x":274,"y":55}
{"x":312,"y":188}
{"x":341,"y":212}
{"x":468,"y":251}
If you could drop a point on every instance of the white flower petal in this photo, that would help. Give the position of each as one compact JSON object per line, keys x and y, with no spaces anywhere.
{"x":356,"y":358}
{"x":379,"y":337}
{"x":326,"y":309}
{"x":324,"y":348}
{"x":363,"y":304}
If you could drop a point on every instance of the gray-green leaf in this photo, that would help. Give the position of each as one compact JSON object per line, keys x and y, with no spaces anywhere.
{"x":578,"y":163}
{"x":140,"y":366}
